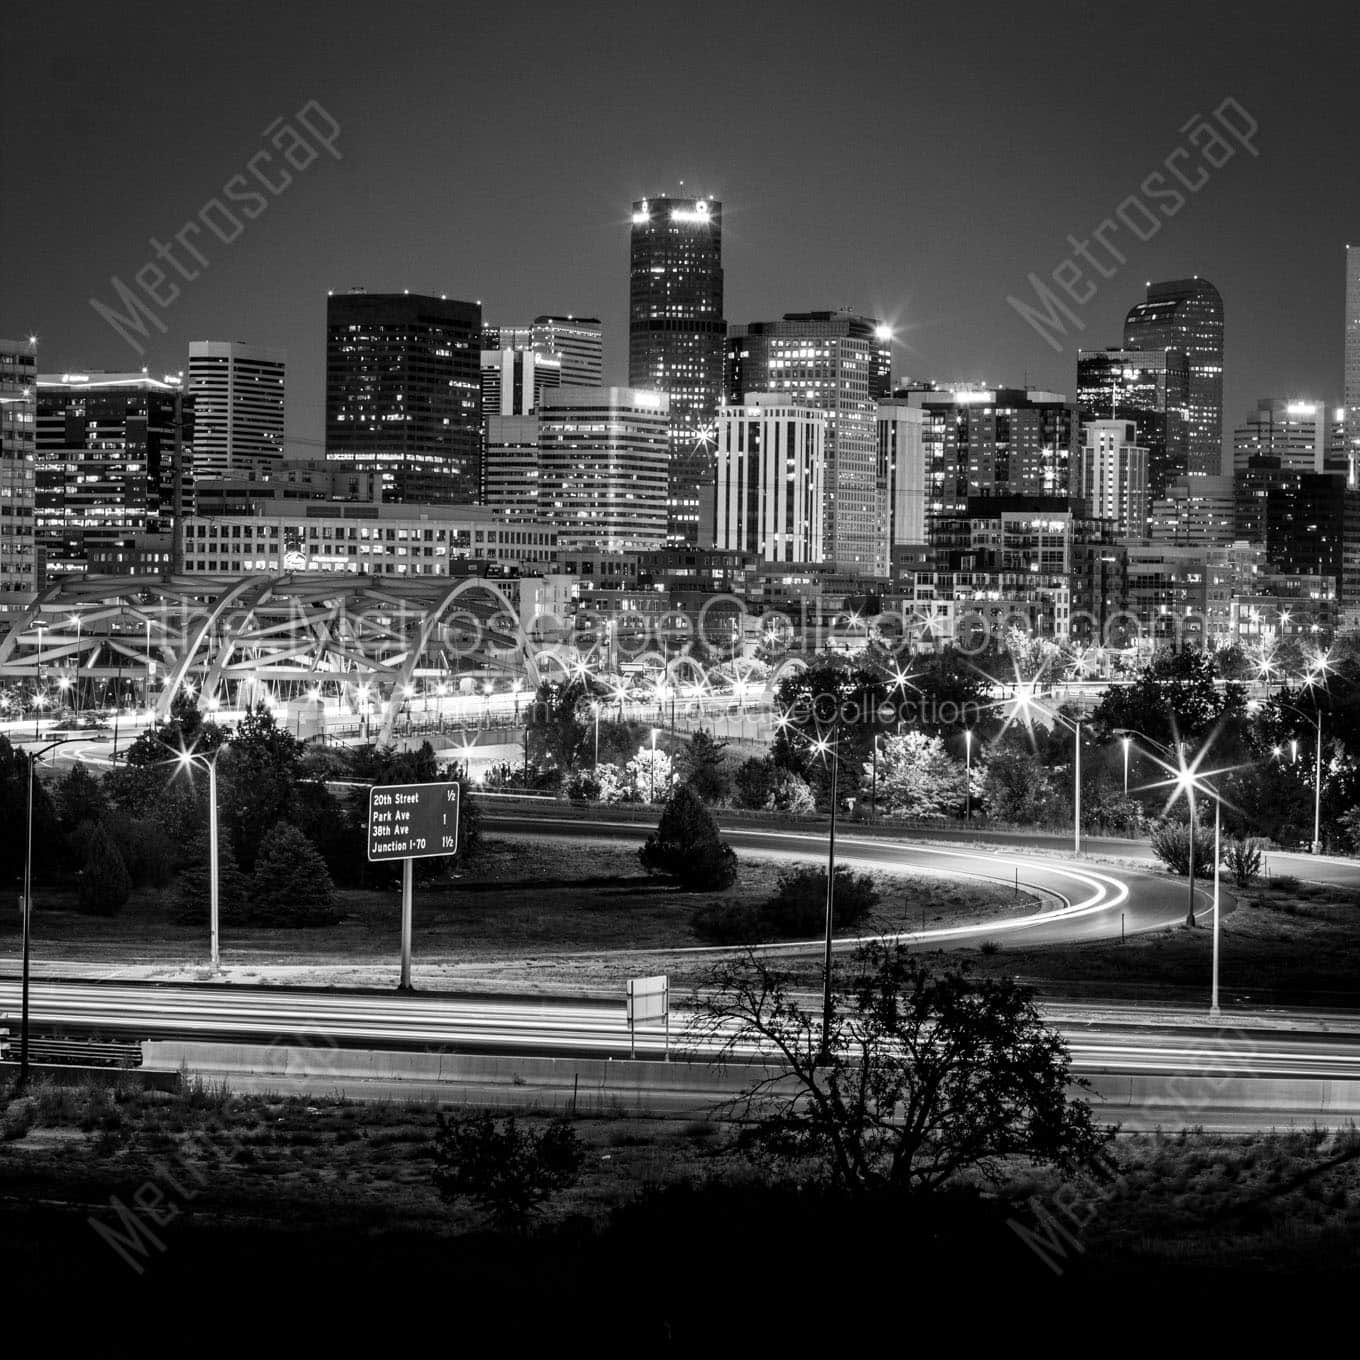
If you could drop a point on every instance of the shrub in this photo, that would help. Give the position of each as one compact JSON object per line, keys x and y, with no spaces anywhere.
{"x":798,"y":907}
{"x":686,"y":845}
{"x":791,"y":793}
{"x":18,"y":1119}
{"x":1243,"y":860}
{"x":1285,"y":883}
{"x":509,"y":1172}
{"x":728,"y":923}
{"x":1171,"y":844}
{"x":104,"y":881}
{"x":291,"y":885}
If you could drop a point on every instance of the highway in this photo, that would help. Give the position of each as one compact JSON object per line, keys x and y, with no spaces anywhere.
{"x":1169,"y":1067}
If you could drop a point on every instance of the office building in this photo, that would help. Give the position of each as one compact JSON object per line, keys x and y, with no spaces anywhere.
{"x":676,"y":335}
{"x":403,"y":392}
{"x":1152,"y":389}
{"x":19,"y":568}
{"x":513,"y":380}
{"x":1113,"y":476}
{"x":510,"y":465}
{"x":1187,"y":315}
{"x":1196,"y":511}
{"x":771,"y":459}
{"x":238,"y":393}
{"x":902,"y":472}
{"x":577,"y":341}
{"x":114,"y":460}
{"x":1296,"y":432}
{"x":603,"y":467}
{"x":840,"y":364}
{"x":1351,"y":376}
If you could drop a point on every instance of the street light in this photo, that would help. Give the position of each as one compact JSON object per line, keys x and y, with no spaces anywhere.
{"x":1025,"y":703}
{"x":1126,"y":768}
{"x":595,"y":709}
{"x":188,"y":759}
{"x":651,"y":797}
{"x":967,"y":774}
{"x":33,"y":758}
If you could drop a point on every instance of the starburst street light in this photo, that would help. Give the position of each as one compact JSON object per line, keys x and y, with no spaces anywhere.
{"x":187,"y":759}
{"x":1025,"y":707}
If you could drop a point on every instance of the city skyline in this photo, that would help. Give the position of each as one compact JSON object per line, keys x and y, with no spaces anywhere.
{"x":940,"y":265}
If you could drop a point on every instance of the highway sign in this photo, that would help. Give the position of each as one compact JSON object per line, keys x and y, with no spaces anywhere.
{"x":412,"y":821}
{"x":648,"y":999}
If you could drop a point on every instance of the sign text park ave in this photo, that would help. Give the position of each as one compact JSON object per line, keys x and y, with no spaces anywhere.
{"x":412,"y":821}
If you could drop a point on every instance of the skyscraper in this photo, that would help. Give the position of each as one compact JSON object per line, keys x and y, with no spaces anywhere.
{"x":1150,"y":388}
{"x":1187,"y":315}
{"x":403,"y":392}
{"x":771,"y":461}
{"x":238,"y":393}
{"x":114,"y":461}
{"x":676,"y":335}
{"x":602,"y":460}
{"x":513,"y":380}
{"x":902,"y":470}
{"x":840,"y":364}
{"x":18,"y":427}
{"x":1351,"y":399}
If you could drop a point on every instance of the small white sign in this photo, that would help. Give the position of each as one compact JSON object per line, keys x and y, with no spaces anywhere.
{"x":648,"y":999}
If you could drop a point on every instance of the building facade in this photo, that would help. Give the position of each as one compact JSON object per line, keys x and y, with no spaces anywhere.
{"x":676,"y":335}
{"x":840,"y":364}
{"x":114,"y":460}
{"x":1187,"y":315}
{"x":514,"y":380}
{"x":1113,"y":475}
{"x":19,"y":563}
{"x":902,"y":472}
{"x":1195,"y":511}
{"x":510,"y":465}
{"x":238,"y":393}
{"x":604,"y":463}
{"x":1150,"y":388}
{"x":403,"y":392}
{"x":769,"y":494}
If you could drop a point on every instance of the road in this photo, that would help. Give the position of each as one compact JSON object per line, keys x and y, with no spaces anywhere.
{"x":1167,"y":1067}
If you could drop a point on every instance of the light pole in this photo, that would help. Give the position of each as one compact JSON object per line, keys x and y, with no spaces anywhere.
{"x":33,"y":758}
{"x":967,"y":774}
{"x":595,"y":708}
{"x":1025,"y":703}
{"x":824,"y":1052}
{"x":188,"y":759}
{"x":1126,"y":768}
{"x":651,"y":797}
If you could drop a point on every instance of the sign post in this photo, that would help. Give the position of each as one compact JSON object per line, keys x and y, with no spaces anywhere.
{"x":648,"y":999}
{"x":410,"y":822}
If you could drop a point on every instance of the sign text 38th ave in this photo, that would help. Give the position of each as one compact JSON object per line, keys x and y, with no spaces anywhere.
{"x":412,"y":821}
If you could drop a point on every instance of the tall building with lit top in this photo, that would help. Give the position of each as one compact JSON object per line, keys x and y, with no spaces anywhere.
{"x":1187,"y":315}
{"x":840,"y":364}
{"x":403,"y":392}
{"x":18,"y":434}
{"x":238,"y":393}
{"x":676,"y":336}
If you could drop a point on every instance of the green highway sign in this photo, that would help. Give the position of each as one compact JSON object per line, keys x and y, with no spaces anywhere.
{"x":412,"y":821}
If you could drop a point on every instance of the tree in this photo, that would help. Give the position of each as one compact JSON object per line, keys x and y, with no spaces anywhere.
{"x":104,"y":882}
{"x":686,"y":845}
{"x":1171,"y":844}
{"x":792,"y":794}
{"x":1019,"y":788}
{"x":256,"y":780}
{"x":1174,"y":698}
{"x":924,"y":1079}
{"x":702,"y":767}
{"x":916,"y":776}
{"x":755,"y":782}
{"x":509,"y":1171}
{"x":193,"y":891}
{"x":79,"y":797}
{"x":798,"y":907}
{"x":48,"y":847}
{"x":291,"y":886}
{"x":557,"y":731}
{"x":649,"y":776}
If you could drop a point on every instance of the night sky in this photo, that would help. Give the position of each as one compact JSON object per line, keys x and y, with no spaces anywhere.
{"x":912,"y":161}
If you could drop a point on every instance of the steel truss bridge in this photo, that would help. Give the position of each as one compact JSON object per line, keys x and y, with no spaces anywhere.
{"x":234,"y":640}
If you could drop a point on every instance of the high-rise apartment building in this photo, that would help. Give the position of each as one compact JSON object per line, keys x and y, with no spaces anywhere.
{"x":238,"y":393}
{"x":771,"y":462}
{"x":1196,"y":511}
{"x":842,"y":365}
{"x":603,"y":460}
{"x":902,"y":470}
{"x":18,"y":447}
{"x":1294,"y":431}
{"x":1187,"y":315}
{"x":403,"y":392}
{"x":1113,"y":476}
{"x":676,"y":336}
{"x":114,"y":462}
{"x":1150,"y":388}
